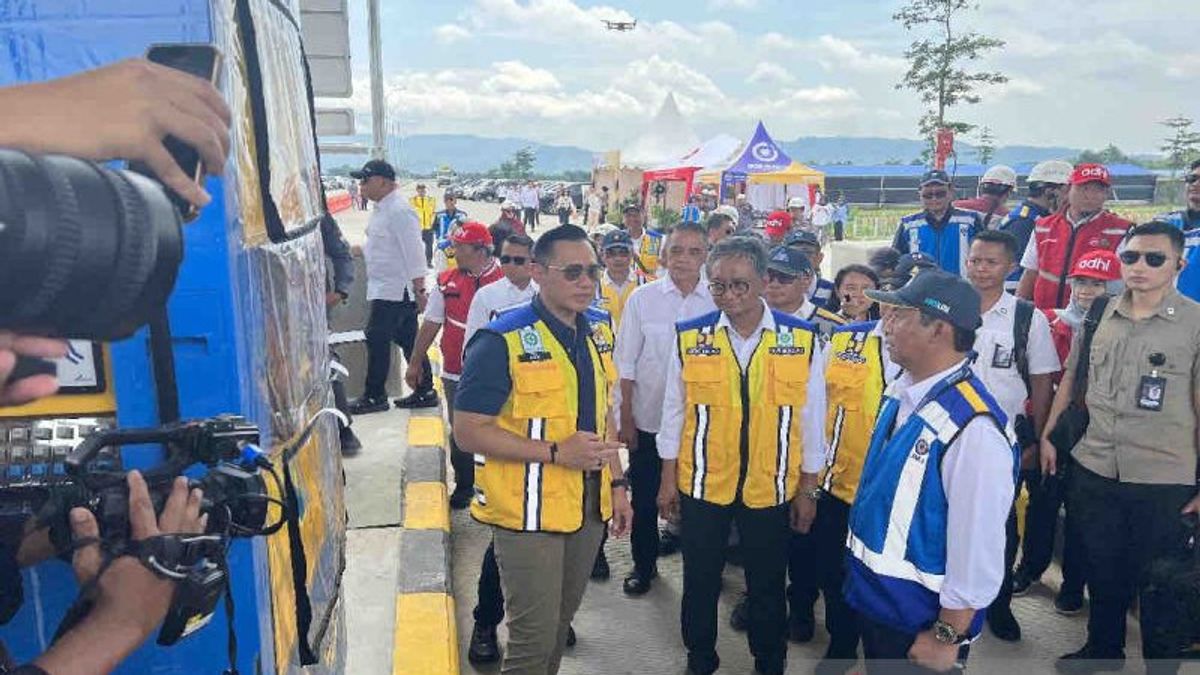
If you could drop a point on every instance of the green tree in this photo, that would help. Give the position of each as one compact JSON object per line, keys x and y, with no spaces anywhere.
{"x":937,"y":64}
{"x":1111,"y":154}
{"x":1183,"y":145}
{"x":986,"y":148}
{"x":523,"y":161}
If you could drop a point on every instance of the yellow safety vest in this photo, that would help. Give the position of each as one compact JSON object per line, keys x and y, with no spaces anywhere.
{"x":610,"y":300}
{"x":543,"y":404}
{"x":425,"y":208}
{"x":719,"y":400}
{"x":646,"y":258}
{"x":854,"y":383}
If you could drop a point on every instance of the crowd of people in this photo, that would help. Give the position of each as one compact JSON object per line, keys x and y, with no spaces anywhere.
{"x":862,"y":438}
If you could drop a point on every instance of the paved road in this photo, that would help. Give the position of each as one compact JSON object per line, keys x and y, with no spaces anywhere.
{"x":641,"y":635}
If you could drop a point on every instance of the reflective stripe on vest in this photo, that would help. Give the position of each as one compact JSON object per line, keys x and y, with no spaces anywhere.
{"x":543,"y":405}
{"x":457,"y":301}
{"x":854,"y":384}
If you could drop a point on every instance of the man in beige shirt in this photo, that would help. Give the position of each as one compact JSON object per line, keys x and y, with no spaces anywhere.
{"x":1135,"y":468}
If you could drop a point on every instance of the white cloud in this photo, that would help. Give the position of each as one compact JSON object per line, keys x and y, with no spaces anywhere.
{"x":516,"y":76}
{"x":732,"y":4}
{"x":770,"y":73}
{"x":449,"y":34}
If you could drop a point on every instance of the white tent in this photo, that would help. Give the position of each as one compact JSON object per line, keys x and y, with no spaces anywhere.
{"x":718,"y":150}
{"x":667,"y":138}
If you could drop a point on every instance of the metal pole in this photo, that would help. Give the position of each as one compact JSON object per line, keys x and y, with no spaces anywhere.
{"x":378,"y":111}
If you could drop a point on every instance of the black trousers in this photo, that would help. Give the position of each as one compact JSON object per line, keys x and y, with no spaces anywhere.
{"x":803,"y":587}
{"x":427,"y":237}
{"x":828,"y":537}
{"x":764,"y":536}
{"x":885,"y":649}
{"x":390,"y":322}
{"x":529,"y":218}
{"x":1125,"y":527}
{"x":1012,"y":540}
{"x":564,"y":216}
{"x":1046,"y":497}
{"x":839,"y":230}
{"x":489,"y":607}
{"x":645,"y":474}
{"x":462,"y":462}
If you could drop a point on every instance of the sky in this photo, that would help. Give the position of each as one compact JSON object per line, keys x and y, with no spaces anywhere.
{"x":1082,"y":73}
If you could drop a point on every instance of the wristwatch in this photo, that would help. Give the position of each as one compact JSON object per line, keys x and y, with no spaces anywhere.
{"x":813,"y":494}
{"x":620,"y":483}
{"x":945,"y":633}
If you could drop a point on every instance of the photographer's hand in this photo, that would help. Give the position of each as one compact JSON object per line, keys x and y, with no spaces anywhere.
{"x":30,"y":388}
{"x":121,"y":111}
{"x":131,"y":600}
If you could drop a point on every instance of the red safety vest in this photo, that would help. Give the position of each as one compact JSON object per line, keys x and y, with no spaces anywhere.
{"x":1059,"y":245}
{"x":1061,"y":333}
{"x":458,"y":289}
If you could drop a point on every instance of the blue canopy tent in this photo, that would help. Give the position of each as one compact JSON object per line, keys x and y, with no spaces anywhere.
{"x":762,"y":155}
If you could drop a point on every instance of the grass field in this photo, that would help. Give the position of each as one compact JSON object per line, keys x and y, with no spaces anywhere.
{"x":875,"y":223}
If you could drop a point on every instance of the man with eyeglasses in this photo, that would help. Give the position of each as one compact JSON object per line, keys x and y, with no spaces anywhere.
{"x":1134,"y":470}
{"x":742,"y":438}
{"x":789,"y":276}
{"x":619,"y":279}
{"x":446,"y":313}
{"x":1188,"y":220}
{"x":644,"y":346}
{"x":819,"y":290}
{"x":1046,"y":184}
{"x":395,"y":286}
{"x":1059,"y":239}
{"x":534,"y":403}
{"x":939,"y":230}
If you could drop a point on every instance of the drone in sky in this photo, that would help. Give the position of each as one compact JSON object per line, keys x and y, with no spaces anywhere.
{"x":621,"y":26}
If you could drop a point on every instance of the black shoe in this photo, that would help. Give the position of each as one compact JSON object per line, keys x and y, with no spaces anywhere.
{"x":637,"y":583}
{"x":1003,"y":624}
{"x":1068,"y":603}
{"x":740,"y":618}
{"x":668,"y":543}
{"x":461,"y":499}
{"x":1089,"y":660}
{"x":418,"y":399}
{"x":697,"y":666}
{"x":600,"y":571}
{"x":1021,"y":583}
{"x":570,"y":636}
{"x":769,"y":668}
{"x":369,"y":404}
{"x":351,"y":446}
{"x":484,"y":646}
{"x":802,"y":627}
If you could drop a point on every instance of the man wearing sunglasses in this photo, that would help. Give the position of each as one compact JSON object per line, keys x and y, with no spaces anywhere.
{"x":789,"y":277}
{"x":534,"y":403}
{"x":939,"y":230}
{"x":446,"y":313}
{"x":742,"y":438}
{"x":1061,"y":238}
{"x":619,"y":279}
{"x":1134,"y":470}
{"x":1188,"y":220}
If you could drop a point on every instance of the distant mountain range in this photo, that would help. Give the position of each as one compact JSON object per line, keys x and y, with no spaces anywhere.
{"x":475,"y":154}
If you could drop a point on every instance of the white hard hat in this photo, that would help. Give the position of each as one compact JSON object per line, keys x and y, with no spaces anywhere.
{"x":727,"y":210}
{"x":1053,"y":171}
{"x":797,"y":203}
{"x":1001,"y":175}
{"x":509,"y":204}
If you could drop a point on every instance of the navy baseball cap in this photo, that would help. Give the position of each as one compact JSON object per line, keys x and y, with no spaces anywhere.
{"x":938,"y":294}
{"x":935,"y":176}
{"x":375,"y":167}
{"x":801,"y":237}
{"x":789,"y":261}
{"x":630,"y":208}
{"x":616,"y":239}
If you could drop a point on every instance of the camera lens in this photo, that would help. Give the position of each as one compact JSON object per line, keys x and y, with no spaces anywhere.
{"x":86,"y":251}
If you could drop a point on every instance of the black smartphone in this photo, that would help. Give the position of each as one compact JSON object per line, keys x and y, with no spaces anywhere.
{"x":203,"y":61}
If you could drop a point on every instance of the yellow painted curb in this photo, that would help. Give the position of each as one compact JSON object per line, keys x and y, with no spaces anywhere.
{"x":425,"y":506}
{"x":426,"y":639}
{"x":426,"y":431}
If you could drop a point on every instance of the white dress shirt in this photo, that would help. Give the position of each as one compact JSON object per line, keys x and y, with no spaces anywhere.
{"x":812,"y":418}
{"x":493,"y":299}
{"x":646,"y":340}
{"x":979,"y":490}
{"x":394,"y":252}
{"x":996,"y":365}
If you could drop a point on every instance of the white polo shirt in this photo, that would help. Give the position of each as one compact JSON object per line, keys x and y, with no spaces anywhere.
{"x":996,"y":365}
{"x":646,"y":340}
{"x":493,"y":299}
{"x":393,"y":252}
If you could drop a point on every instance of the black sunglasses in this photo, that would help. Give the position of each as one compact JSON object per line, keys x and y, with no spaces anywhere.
{"x":1191,"y":178}
{"x":940,"y":194}
{"x":781,"y":277}
{"x":1153,"y":258}
{"x":517,"y":260}
{"x":573,"y":272}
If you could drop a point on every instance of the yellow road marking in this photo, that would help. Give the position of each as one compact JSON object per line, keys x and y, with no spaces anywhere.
{"x":425,"y":506}
{"x":426,"y":640}
{"x":426,"y":431}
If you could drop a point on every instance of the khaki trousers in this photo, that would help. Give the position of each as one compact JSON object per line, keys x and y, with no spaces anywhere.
{"x":544,"y":576}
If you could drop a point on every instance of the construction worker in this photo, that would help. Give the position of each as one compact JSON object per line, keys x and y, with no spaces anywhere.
{"x":425,"y":206}
{"x":995,"y":187}
{"x":619,"y":278}
{"x":1047,"y":184}
{"x":647,"y":244}
{"x":939,"y":229}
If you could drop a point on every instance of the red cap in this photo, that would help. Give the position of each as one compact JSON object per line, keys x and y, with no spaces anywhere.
{"x":1090,"y":173}
{"x":471,"y":232}
{"x":1099,"y":264}
{"x":778,"y":223}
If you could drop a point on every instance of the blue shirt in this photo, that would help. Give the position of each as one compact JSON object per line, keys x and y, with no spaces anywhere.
{"x":690,"y":214}
{"x":486,"y":383}
{"x":444,"y":221}
{"x":1019,"y":223}
{"x":947,"y":240}
{"x":1187,"y":220}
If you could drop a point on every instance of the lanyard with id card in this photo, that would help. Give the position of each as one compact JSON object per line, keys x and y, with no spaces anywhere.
{"x":1152,"y":387}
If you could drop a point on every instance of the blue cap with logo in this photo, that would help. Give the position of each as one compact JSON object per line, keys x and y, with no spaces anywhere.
{"x":801,"y":238}
{"x":616,"y":239}
{"x":938,"y":294}
{"x":789,"y":261}
{"x":933,"y":176}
